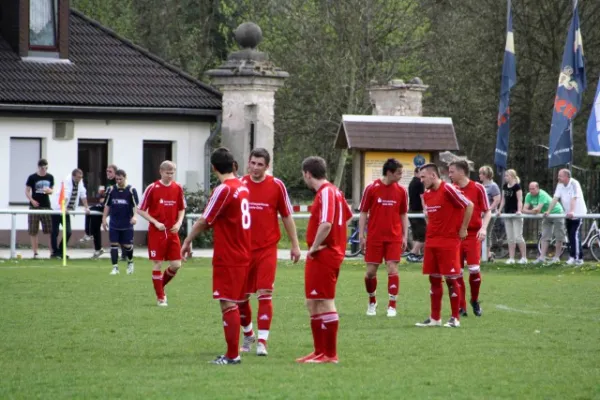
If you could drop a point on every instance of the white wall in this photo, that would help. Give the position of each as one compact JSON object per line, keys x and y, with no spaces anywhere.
{"x":125,"y":150}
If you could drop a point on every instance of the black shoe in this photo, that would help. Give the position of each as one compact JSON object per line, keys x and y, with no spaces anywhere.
{"x":222,"y":360}
{"x":476,"y":308}
{"x":463,"y":312}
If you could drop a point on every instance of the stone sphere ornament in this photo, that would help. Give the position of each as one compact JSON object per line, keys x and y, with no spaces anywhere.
{"x":248,"y":35}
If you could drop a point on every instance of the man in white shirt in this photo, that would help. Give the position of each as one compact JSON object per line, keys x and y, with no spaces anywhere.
{"x":74,"y":192}
{"x":568,"y":192}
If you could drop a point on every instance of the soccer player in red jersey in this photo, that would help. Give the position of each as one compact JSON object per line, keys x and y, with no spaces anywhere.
{"x":385,"y":203}
{"x":228,"y":213}
{"x":268,"y":198}
{"x":326,"y":238}
{"x":448,"y":213}
{"x":470,"y":248}
{"x":164,"y":207}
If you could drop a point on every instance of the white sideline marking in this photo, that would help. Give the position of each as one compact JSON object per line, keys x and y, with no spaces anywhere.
{"x":516,"y":310}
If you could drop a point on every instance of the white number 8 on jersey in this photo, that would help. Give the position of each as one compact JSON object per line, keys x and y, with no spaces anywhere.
{"x":245,"y":214}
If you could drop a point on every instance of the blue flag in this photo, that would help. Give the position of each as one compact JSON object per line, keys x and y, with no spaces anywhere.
{"x":509,"y":78}
{"x":593,"y":128}
{"x":571,"y":84}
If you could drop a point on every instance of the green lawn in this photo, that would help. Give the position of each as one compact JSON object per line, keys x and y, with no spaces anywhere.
{"x":76,"y":332}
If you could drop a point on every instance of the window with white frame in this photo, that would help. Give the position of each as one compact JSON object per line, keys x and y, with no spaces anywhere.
{"x":24,"y":156}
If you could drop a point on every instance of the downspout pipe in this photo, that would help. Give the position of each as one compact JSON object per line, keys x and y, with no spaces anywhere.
{"x":207,"y":152}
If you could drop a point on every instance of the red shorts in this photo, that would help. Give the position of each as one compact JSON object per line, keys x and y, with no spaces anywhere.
{"x":321,"y":275}
{"x":263,"y":266}
{"x":378,"y":251}
{"x":441,"y":260}
{"x":470,"y":251}
{"x":164,"y":246}
{"x":229,"y":282}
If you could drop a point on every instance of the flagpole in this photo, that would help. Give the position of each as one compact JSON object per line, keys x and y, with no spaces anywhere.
{"x":571,"y":127}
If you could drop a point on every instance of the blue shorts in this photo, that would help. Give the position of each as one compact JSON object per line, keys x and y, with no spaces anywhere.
{"x":124,"y":236}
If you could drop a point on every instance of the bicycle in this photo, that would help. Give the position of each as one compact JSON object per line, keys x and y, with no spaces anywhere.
{"x":591,"y":242}
{"x":498,"y":246}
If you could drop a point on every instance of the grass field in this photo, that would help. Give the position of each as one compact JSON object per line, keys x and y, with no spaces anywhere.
{"x":76,"y":332}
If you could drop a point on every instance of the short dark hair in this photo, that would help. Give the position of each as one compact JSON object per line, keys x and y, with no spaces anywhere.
{"x":222,"y":160}
{"x":391,"y":165}
{"x":77,"y":171}
{"x":461,"y":164}
{"x":417,"y":170}
{"x":316,"y":166}
{"x":43,"y":162}
{"x":259,"y":152}
{"x":431,"y":167}
{"x":121,"y":172}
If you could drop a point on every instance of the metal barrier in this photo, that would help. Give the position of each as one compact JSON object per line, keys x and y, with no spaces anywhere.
{"x":192,"y":217}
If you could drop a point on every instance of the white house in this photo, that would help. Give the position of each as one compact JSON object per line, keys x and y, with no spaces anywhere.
{"x":81,"y":96}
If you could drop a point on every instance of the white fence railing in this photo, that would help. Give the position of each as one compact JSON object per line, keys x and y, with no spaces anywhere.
{"x":192,"y":217}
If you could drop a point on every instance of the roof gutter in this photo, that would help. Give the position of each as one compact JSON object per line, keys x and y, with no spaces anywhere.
{"x":207,"y":152}
{"x":110,"y":110}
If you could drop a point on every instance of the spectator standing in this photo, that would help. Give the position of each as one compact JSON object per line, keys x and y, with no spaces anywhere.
{"x":486,"y":176}
{"x":38,"y":188}
{"x":74,"y":192}
{"x":512,"y":203}
{"x":568,"y":192}
{"x":538,"y":201}
{"x":417,"y":225}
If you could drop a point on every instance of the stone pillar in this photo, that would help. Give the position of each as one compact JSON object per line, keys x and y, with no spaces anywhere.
{"x":398,"y":98}
{"x":248,"y":81}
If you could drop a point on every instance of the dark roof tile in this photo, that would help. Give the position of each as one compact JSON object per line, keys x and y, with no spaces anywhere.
{"x":106,"y":70}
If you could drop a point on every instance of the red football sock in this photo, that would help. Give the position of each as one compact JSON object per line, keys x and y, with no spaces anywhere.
{"x":454,"y":293}
{"x":168,"y":275}
{"x":246,"y":317}
{"x":371,"y":286}
{"x":436,"y":292}
{"x":231,"y":327}
{"x":317,"y":332}
{"x":265,"y":315}
{"x":475,"y":284}
{"x":461,"y":282}
{"x":158,"y":284}
{"x":393,"y":289}
{"x":330,"y":326}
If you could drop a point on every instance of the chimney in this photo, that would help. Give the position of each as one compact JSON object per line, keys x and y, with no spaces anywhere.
{"x":14,"y":28}
{"x":398,"y":98}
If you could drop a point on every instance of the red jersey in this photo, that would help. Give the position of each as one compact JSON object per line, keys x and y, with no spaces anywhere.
{"x":475,"y":192}
{"x":163,"y":203}
{"x":329,"y":206}
{"x":384,"y":204}
{"x":267,"y":199}
{"x":445,"y":210}
{"x":228,"y":212}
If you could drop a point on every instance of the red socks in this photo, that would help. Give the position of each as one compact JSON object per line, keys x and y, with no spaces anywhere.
{"x":168,"y":275}
{"x":317,"y":332}
{"x":436,"y":291}
{"x":393,"y":289}
{"x":157,"y":280}
{"x":330,"y":323}
{"x":461,"y":282}
{"x":371,"y":286}
{"x":246,"y":317}
{"x":475,"y":284}
{"x":324,"y":329}
{"x":265,"y":315}
{"x":454,"y":290}
{"x":231,"y":327}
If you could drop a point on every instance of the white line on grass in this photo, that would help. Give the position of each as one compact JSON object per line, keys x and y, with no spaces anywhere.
{"x":516,"y":310}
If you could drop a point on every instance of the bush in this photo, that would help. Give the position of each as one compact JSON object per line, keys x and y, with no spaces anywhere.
{"x":195,"y":204}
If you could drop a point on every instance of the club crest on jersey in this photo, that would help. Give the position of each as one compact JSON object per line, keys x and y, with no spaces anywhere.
{"x":161,"y":201}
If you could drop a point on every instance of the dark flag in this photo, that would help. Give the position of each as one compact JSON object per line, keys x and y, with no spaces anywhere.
{"x":571,"y":84}
{"x":509,"y":78}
